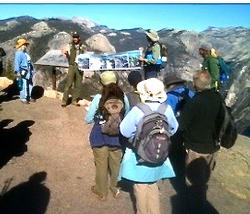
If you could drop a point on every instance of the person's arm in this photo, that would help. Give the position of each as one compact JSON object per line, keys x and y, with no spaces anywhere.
{"x":129,"y":123}
{"x":89,"y":118}
{"x":126,"y":102}
{"x":17,"y":63}
{"x":173,"y":124}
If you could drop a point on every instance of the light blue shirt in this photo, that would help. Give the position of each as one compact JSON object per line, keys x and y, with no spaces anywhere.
{"x":129,"y":167}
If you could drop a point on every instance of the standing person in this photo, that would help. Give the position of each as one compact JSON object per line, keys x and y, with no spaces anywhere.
{"x":200,"y":123}
{"x":24,"y":70}
{"x":134,"y":78}
{"x":106,"y":148}
{"x":152,"y":59}
{"x":211,"y":64}
{"x":144,"y":176}
{"x":74,"y":77}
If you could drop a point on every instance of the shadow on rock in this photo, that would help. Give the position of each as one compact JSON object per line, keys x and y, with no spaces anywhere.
{"x":37,"y":92}
{"x":13,"y":140}
{"x":31,"y":197}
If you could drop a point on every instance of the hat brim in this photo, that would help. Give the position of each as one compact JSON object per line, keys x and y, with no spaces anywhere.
{"x":174,"y":81}
{"x":154,"y":39}
{"x":20,"y":45}
{"x":160,"y":97}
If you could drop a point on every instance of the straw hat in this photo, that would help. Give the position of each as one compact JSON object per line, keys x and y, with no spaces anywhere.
{"x":153,"y":35}
{"x":152,"y":90}
{"x":21,"y":42}
{"x":108,"y":77}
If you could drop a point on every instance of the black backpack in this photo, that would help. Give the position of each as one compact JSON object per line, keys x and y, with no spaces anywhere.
{"x":183,"y":98}
{"x":228,"y":131}
{"x":152,"y":140}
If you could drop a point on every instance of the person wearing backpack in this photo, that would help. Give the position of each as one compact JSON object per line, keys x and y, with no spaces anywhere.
{"x":200,"y":124}
{"x":152,"y":59}
{"x":135,"y":168}
{"x":104,"y":136}
{"x":211,"y":64}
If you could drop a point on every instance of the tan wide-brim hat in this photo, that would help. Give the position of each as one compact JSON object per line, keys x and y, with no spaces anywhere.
{"x":153,"y":35}
{"x":108,"y":77}
{"x":21,"y":42}
{"x":152,"y":90}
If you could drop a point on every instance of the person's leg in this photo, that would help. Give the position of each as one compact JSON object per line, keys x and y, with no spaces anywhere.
{"x":114,"y":166}
{"x":153,"y":199}
{"x":77,"y":85}
{"x":101,"y":164}
{"x":23,"y":92}
{"x":68,"y":84}
{"x":140,"y":192}
{"x":150,"y":72}
{"x":30,"y":85}
{"x":198,"y":171}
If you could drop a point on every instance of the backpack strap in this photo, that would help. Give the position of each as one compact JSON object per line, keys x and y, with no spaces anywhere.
{"x":144,"y":108}
{"x":162,"y":108}
{"x":147,"y":110}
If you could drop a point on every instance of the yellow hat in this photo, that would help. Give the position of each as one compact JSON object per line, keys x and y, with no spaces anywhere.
{"x":108,"y":77}
{"x":21,"y":42}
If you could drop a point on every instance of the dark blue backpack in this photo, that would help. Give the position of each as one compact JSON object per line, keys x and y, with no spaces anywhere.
{"x":225,"y":70}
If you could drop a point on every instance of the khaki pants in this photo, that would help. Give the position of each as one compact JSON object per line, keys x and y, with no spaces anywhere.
{"x":74,"y":78}
{"x":106,"y":159}
{"x":147,"y":198}
{"x":198,"y":171}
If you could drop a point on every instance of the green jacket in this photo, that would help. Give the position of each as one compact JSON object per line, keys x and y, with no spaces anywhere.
{"x":73,"y":52}
{"x":212,"y":65}
{"x":153,"y":53}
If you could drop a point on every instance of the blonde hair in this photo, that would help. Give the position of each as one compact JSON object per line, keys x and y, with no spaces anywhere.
{"x":214,"y":53}
{"x":202,"y":80}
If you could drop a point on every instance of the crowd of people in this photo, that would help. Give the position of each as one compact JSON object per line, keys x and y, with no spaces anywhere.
{"x":194,"y":116}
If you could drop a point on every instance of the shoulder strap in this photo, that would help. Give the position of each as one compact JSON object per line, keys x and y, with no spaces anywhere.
{"x":144,"y":108}
{"x":162,"y":108}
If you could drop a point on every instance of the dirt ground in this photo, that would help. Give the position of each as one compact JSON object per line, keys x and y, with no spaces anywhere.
{"x":46,"y":166}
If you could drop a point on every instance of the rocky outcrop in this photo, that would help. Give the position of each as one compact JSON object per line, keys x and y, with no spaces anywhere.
{"x":100,"y":44}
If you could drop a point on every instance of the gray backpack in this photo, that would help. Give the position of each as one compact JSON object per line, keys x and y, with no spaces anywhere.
{"x":152,"y":140}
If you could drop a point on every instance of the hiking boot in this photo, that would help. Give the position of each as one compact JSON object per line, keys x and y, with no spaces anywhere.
{"x":99,"y":195}
{"x":75,"y":103}
{"x":32,"y":100}
{"x":116,"y":193}
{"x":25,"y":101}
{"x":63,"y":104}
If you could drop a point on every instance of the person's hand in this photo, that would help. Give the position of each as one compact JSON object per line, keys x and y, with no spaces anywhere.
{"x":141,"y":59}
{"x":64,"y":51}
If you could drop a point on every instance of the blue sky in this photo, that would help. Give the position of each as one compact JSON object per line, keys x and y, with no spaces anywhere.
{"x":195,"y":17}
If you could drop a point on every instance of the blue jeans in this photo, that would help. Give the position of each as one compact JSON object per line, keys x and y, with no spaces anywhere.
{"x":151,"y":71}
{"x":25,"y":93}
